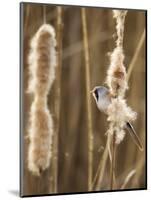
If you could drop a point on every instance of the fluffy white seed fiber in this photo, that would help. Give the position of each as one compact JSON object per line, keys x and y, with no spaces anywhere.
{"x":116,"y":74}
{"x":42,"y":60}
{"x":118,"y":114}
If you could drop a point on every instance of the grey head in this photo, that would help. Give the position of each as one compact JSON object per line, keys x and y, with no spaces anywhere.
{"x":102,"y":97}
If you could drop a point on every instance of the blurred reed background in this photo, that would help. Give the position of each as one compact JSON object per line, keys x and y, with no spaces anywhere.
{"x":73,"y":132}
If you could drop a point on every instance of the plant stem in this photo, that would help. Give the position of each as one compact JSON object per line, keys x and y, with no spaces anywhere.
{"x":44,"y":14}
{"x":113,"y":162}
{"x":88,"y":99}
{"x":128,"y":178}
{"x":134,"y":59}
{"x":101,"y":168}
{"x":57,"y":96}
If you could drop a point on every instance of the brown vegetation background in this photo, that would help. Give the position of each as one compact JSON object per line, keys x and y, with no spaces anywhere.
{"x":73,"y":137}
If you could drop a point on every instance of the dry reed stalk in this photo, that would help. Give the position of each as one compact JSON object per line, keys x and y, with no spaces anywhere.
{"x":78,"y":46}
{"x":102,"y":164}
{"x":113,"y":162}
{"x":88,"y":99}
{"x":134,"y":59}
{"x":50,"y":17}
{"x":139,"y":168}
{"x":44,"y":13}
{"x":128,"y":178}
{"x":42,"y":63}
{"x":57,"y":96}
{"x":101,"y":167}
{"x":26,"y":21}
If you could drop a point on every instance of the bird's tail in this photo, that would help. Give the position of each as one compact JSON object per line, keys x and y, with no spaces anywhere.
{"x":134,"y":136}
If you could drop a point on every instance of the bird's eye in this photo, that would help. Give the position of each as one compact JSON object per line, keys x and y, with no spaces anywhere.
{"x":96,"y":94}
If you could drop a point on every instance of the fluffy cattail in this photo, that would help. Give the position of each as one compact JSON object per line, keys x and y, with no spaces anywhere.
{"x":118,"y":111}
{"x":42,"y":63}
{"x":119,"y":15}
{"x":116,"y":74}
{"x":42,"y":60}
{"x":118,"y":114}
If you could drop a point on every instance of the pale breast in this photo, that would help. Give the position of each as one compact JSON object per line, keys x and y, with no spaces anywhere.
{"x":103,"y":104}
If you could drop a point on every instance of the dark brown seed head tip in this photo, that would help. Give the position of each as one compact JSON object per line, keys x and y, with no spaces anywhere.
{"x":119,"y":74}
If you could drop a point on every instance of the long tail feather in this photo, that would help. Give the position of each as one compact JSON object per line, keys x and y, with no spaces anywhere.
{"x":134,"y":136}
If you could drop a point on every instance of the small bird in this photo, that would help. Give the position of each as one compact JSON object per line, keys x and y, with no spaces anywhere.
{"x":102,"y":97}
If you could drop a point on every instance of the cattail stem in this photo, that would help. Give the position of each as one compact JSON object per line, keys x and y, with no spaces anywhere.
{"x":44,"y":14}
{"x":26,"y":21}
{"x":128,"y":178}
{"x":113,"y":162}
{"x":88,"y":99}
{"x":57,"y":96}
{"x":101,"y":167}
{"x":137,"y":51}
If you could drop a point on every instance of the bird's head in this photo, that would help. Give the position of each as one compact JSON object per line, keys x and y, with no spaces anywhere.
{"x":102,"y":97}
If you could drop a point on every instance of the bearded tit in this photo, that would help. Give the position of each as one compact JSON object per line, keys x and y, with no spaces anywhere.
{"x":102,"y":97}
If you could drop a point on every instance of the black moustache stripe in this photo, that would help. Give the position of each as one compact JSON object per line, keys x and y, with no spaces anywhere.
{"x":96,"y":94}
